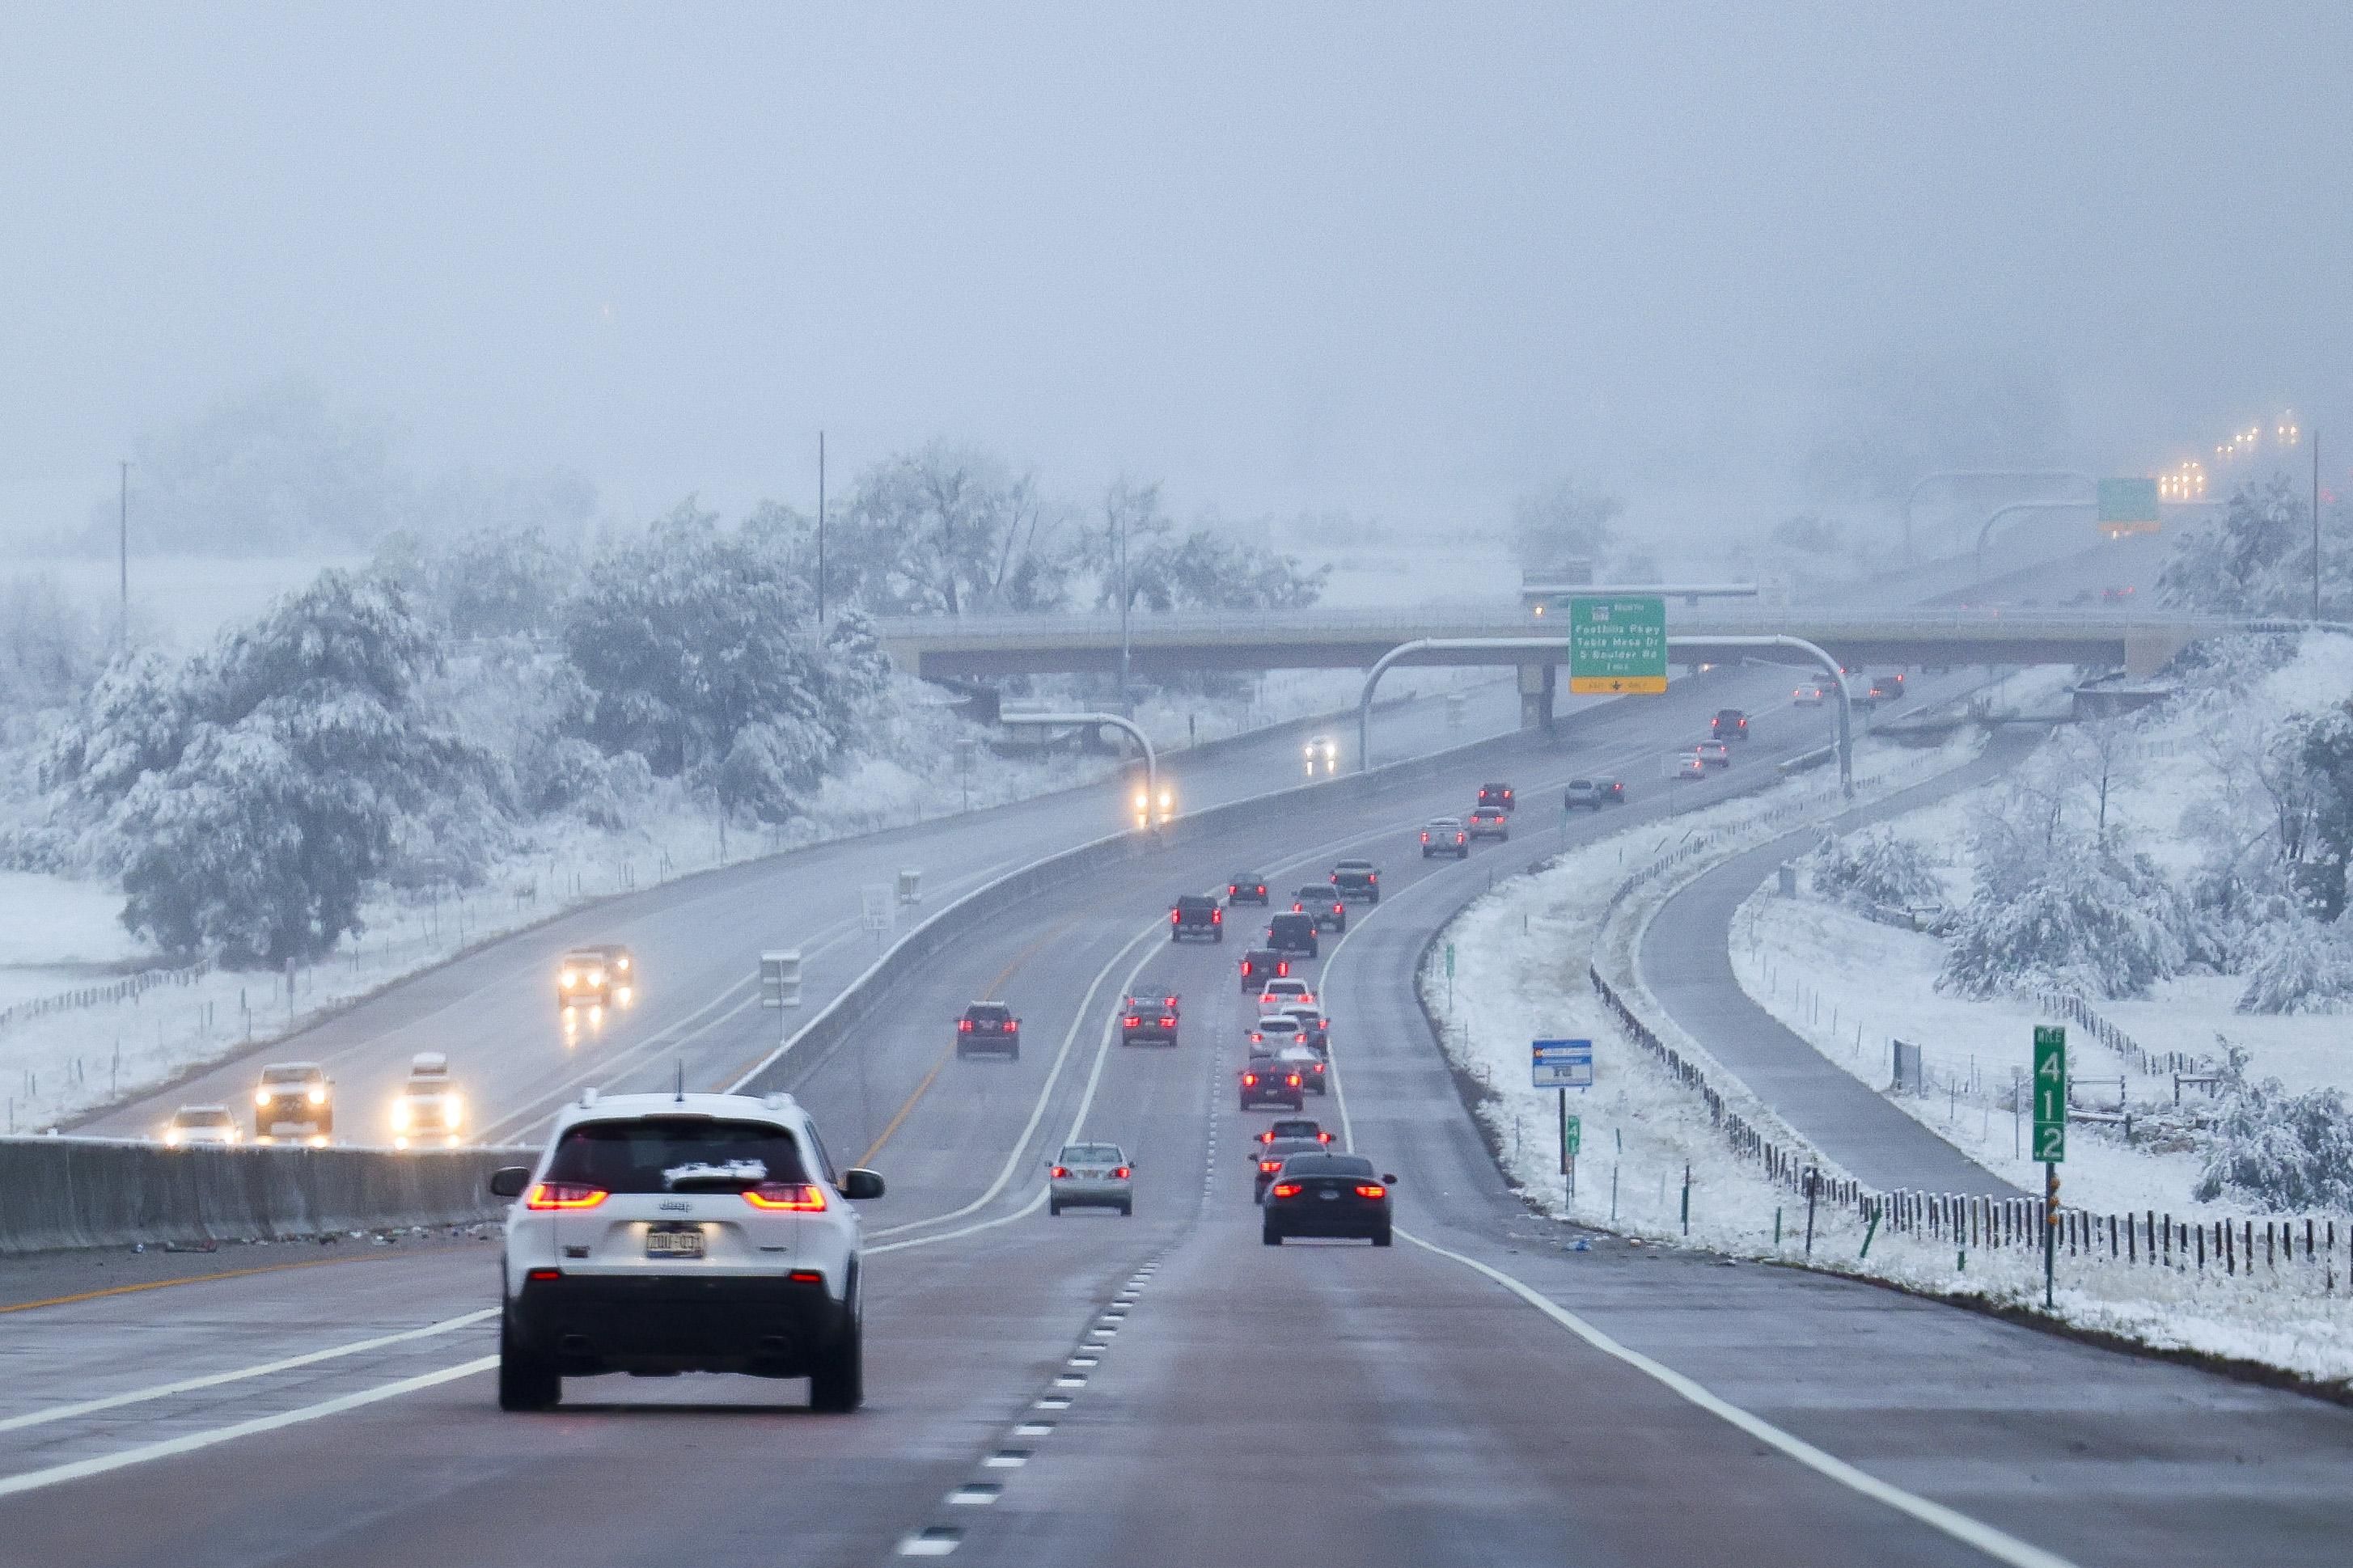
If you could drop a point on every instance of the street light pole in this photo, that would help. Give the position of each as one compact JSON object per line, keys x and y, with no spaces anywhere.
{"x":820,"y":528}
{"x":1124,"y":654}
{"x":2315,"y":525}
{"x":123,"y":560}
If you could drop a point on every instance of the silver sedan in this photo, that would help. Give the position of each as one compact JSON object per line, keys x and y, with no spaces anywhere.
{"x":1091,"y":1176}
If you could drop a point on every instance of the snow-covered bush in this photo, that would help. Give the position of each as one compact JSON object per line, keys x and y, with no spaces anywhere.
{"x":2078,"y":919}
{"x":2291,"y":1152}
{"x":1874,"y":869}
{"x":2299,"y":965}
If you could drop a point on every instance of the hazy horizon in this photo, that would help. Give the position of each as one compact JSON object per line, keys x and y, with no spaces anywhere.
{"x":1409,"y":264}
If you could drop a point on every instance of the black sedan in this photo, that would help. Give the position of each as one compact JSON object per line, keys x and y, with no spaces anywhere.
{"x":1247,"y":888}
{"x":1268,"y":1080}
{"x":1316,"y":1194}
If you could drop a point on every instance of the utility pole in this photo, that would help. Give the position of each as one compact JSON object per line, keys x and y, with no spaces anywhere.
{"x":1122,"y":518}
{"x":2315,"y":525}
{"x":123,"y":558}
{"x":820,"y":528}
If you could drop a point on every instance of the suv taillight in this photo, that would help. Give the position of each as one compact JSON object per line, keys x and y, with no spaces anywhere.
{"x":1062,"y":1173}
{"x":798,"y":1197}
{"x":549,"y":1195}
{"x":1372,"y":1190}
{"x":1286,"y":1189}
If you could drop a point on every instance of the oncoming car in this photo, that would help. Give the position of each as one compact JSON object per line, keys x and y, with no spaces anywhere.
{"x":428,"y":1108}
{"x":194,"y":1124}
{"x":1323,"y":755}
{"x":1091,"y":1175}
{"x":596,"y":979}
{"x":668,"y":1232}
{"x":295,"y":1101}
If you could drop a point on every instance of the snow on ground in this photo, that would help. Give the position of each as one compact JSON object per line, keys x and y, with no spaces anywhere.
{"x":57,"y":934}
{"x":1521,"y":957}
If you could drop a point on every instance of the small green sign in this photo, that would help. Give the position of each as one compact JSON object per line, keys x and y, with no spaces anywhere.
{"x":2050,"y":1093}
{"x":1572,"y":1136}
{"x":1617,"y":645}
{"x":1450,"y":960}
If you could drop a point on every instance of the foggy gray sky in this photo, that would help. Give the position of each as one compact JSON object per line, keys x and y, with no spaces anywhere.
{"x":1407,"y":261}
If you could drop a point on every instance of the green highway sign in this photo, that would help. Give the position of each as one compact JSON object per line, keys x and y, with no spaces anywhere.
{"x":2128,"y":505}
{"x":1450,"y":960}
{"x":1572,"y":1137}
{"x":2050,"y":1093}
{"x":1617,"y":645}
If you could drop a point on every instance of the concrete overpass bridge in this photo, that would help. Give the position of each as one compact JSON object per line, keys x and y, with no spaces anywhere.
{"x":976,"y":647}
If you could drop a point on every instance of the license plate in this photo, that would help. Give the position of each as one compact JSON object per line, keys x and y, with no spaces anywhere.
{"x":673,"y":1242}
{"x":1327,"y":1194}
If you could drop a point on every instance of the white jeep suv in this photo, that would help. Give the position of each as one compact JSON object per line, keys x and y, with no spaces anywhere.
{"x":665,"y":1233}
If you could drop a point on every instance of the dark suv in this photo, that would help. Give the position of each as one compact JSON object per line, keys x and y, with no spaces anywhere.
{"x":1354,"y":879}
{"x":1196,"y":915}
{"x":989,"y":1027}
{"x":1324,"y":904}
{"x":1729,"y":724}
{"x":1293,"y":934}
{"x":1261,"y":964}
{"x":1495,"y":795}
{"x":1247,"y":888}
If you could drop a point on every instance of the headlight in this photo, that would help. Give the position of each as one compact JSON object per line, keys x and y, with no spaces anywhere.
{"x":317,"y":1094}
{"x":567,"y":978}
{"x":620,"y":964}
{"x":595,"y":977}
{"x":171,"y":1136}
{"x":400,"y":1114}
{"x":261,"y":1099}
{"x":455,"y":1110}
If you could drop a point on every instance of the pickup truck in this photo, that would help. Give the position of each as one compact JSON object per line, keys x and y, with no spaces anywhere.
{"x":1196,"y":915}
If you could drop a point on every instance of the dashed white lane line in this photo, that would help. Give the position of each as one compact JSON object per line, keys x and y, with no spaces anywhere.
{"x":188,"y":1443}
{"x":934,"y":1540}
{"x":216,"y":1379}
{"x":1006,"y":1460}
{"x":975,"y":1494}
{"x":1052,"y":1402}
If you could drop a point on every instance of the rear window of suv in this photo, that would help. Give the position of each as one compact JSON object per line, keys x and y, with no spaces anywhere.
{"x":992,"y":1013}
{"x":682,"y":1153}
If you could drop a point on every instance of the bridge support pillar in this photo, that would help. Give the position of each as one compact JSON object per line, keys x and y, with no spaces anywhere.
{"x":1538,"y":683}
{"x":2148,"y":650}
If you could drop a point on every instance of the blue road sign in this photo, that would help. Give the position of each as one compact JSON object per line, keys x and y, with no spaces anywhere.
{"x":1562,"y":1064}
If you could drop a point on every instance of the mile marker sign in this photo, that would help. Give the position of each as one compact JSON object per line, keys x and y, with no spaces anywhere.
{"x":1617,"y":646}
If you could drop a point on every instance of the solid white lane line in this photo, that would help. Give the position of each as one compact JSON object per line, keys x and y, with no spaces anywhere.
{"x":1985,"y":1537}
{"x":1032,"y":1207}
{"x":214,"y":1380}
{"x":145,"y":1453}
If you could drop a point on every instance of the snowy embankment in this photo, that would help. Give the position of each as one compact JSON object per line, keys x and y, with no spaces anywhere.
{"x":60,"y":935}
{"x":1521,"y":955}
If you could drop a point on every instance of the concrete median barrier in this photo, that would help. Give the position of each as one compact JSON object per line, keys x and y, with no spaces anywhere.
{"x":88,"y":1192}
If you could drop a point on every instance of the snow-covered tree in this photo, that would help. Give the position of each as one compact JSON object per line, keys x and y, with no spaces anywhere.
{"x":946,"y":530}
{"x":1567,"y":522}
{"x":686,"y":639}
{"x":51,"y":650}
{"x":2299,"y":965}
{"x":1874,"y":867}
{"x":2283,"y":1152}
{"x":252,"y":794}
{"x":2055,"y":909}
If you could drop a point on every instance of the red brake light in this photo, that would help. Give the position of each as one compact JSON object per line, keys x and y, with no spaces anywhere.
{"x":563,"y":1195}
{"x":964,"y":1025}
{"x":1249,"y":1079}
{"x":806,"y":1276}
{"x":1062,"y":1173}
{"x":1129,"y":1020}
{"x":1172,"y":917}
{"x":1372,"y":1190}
{"x":1282,"y":967}
{"x":1374,"y":878}
{"x":1217,"y":917}
{"x":1425,"y":838}
{"x":1167,"y":1021}
{"x":796,"y":1198}
{"x":1322,"y":1137}
{"x":1286,"y":1189}
{"x":1012,"y":1026}
{"x":1292,"y":1080}
{"x":1168,"y":1001}
{"x":545,"y":1274}
{"x":1120,"y":1173}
